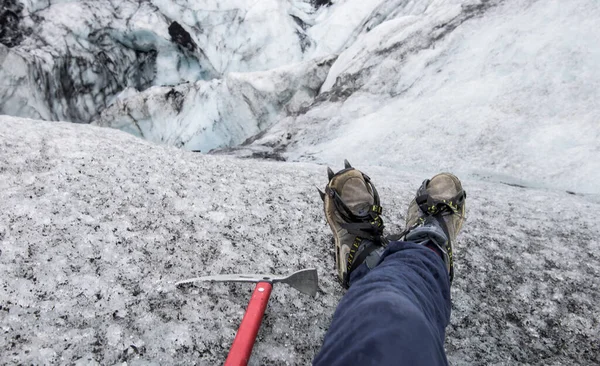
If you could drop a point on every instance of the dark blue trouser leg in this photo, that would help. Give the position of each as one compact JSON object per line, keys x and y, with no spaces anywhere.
{"x":394,"y":314}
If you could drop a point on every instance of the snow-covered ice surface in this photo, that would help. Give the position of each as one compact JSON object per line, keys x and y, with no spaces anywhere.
{"x":96,"y":226}
{"x":505,"y":91}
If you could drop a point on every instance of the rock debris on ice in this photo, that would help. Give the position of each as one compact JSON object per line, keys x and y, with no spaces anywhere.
{"x":97,"y":225}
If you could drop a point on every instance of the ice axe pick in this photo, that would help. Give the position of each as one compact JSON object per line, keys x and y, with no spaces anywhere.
{"x":305,"y":281}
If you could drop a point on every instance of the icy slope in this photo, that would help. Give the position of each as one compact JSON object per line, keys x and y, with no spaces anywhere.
{"x":506,"y":91}
{"x":96,"y":225}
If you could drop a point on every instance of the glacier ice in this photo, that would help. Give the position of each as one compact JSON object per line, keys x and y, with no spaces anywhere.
{"x":206,"y":115}
{"x":96,"y":226}
{"x":500,"y":91}
{"x":504,"y":91}
{"x":515,"y":80}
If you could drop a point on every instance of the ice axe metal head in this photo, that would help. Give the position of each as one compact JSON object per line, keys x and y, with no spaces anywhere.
{"x":305,"y":280}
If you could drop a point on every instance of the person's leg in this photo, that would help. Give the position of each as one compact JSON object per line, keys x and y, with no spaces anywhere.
{"x":398,"y":304}
{"x":395,"y":314}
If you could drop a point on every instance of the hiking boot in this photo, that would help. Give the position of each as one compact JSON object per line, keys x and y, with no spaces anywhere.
{"x":436,"y":215}
{"x":353,"y":213}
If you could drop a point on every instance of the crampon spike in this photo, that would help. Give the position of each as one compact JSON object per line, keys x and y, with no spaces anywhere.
{"x":322,"y":194}
{"x":330,"y":173}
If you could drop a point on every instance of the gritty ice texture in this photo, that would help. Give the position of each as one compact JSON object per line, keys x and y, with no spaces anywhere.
{"x":96,"y":225}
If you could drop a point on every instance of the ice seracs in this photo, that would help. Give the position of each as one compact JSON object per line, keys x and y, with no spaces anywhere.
{"x":67,"y":60}
{"x":219,"y":113}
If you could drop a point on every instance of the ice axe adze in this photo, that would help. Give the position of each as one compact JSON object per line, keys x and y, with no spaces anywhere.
{"x":305,"y":281}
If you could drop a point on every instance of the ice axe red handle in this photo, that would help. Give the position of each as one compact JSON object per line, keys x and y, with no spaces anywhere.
{"x":305,"y":281}
{"x":240,"y":351}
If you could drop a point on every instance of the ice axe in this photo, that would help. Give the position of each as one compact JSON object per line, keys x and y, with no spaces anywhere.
{"x":305,"y":281}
